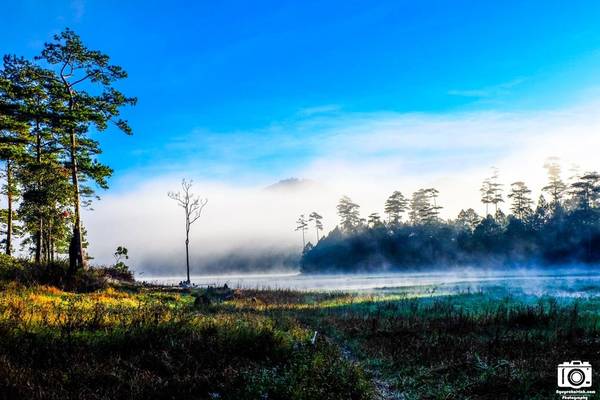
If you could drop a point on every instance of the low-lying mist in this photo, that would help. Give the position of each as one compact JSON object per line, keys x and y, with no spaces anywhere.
{"x":246,"y":227}
{"x":241,"y":229}
{"x":564,"y":282}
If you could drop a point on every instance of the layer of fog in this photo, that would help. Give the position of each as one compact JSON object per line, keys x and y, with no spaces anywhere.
{"x":245,"y":227}
{"x":559,"y":282}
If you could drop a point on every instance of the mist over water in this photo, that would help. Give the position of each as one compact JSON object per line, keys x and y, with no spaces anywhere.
{"x":243,"y":221}
{"x":565,"y":282}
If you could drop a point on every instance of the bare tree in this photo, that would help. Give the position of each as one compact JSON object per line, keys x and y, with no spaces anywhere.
{"x":192,"y":206}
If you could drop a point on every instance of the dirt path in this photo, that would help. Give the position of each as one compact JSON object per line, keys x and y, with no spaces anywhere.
{"x":384,"y":389}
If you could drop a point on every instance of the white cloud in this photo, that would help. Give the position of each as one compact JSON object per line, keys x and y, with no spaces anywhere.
{"x":365,"y":156}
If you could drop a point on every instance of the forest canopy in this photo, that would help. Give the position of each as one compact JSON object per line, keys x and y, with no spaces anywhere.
{"x":561,"y":227}
{"x":49,"y":108}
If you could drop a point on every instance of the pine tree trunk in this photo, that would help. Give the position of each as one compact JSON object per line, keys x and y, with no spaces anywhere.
{"x":49,"y":242}
{"x":303,"y":241}
{"x":40,"y":227}
{"x":76,"y":259}
{"x":9,"y":222}
{"x":51,"y":248}
{"x":47,"y":246}
{"x":38,"y":242}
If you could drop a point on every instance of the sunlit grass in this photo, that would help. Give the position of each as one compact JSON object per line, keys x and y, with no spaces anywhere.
{"x":445,"y":343}
{"x":41,"y":307}
{"x":145,"y":343}
{"x":429,"y":343}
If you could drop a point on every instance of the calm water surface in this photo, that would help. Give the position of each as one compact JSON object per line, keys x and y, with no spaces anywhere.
{"x":539,"y":282}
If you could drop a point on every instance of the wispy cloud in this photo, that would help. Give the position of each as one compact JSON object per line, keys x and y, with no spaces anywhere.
{"x":365,"y":156}
{"x":323,"y":109}
{"x":500,"y":89}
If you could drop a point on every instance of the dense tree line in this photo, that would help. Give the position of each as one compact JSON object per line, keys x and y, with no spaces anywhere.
{"x":49,"y":109}
{"x":565,"y":228}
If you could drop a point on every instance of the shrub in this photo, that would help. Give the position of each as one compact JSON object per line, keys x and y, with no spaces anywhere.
{"x":119,"y":271}
{"x":10,"y":267}
{"x":53,"y":274}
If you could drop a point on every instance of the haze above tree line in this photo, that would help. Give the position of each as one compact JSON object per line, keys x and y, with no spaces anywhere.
{"x":562,"y":227}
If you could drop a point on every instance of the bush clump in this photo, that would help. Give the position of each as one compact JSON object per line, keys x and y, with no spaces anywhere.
{"x":56,"y":274}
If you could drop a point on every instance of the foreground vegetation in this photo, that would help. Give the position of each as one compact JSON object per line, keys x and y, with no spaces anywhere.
{"x":482,"y":345}
{"x":468,"y":346}
{"x":131,"y":341}
{"x":150,"y":343}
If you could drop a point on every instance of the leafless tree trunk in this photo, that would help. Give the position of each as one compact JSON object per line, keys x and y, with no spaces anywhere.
{"x":192,"y":205}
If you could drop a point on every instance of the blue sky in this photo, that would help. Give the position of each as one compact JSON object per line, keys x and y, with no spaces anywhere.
{"x":246,"y":88}
{"x":362,"y":97}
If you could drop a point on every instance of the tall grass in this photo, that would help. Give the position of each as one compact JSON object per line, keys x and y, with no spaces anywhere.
{"x":112,"y":344}
{"x":151,"y":343}
{"x":467,"y":346}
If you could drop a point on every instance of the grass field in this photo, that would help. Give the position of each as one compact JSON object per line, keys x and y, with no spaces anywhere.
{"x":406,"y":344}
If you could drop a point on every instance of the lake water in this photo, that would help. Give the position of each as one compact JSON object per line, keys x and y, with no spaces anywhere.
{"x":536,"y":282}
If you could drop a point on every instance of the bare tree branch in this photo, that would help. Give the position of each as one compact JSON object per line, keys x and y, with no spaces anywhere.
{"x":192,"y":206}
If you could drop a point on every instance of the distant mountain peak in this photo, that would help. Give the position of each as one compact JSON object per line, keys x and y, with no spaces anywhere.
{"x":291,"y":184}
